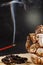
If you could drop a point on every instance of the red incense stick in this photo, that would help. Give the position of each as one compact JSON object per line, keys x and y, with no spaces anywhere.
{"x":7,"y":47}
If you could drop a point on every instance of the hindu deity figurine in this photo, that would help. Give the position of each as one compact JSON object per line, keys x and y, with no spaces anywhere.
{"x":36,"y":48}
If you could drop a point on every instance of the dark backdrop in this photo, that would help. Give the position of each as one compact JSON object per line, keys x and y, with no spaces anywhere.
{"x":22,"y":30}
{"x":4,"y":1}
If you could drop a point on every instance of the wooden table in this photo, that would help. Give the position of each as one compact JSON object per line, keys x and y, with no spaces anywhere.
{"x":27,"y":55}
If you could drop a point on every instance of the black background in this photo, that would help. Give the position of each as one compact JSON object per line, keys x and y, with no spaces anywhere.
{"x":6,"y":25}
